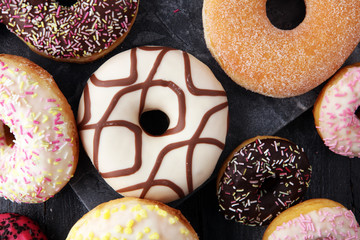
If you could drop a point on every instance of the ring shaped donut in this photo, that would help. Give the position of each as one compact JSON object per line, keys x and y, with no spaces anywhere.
{"x":133,"y":161}
{"x":261,"y":178}
{"x":44,"y":153}
{"x":314,"y":219}
{"x":87,"y":30}
{"x":335,"y":112}
{"x":133,"y":218}
{"x":275,"y":62}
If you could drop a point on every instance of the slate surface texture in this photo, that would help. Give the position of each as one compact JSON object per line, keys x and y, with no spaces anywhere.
{"x":178,"y":24}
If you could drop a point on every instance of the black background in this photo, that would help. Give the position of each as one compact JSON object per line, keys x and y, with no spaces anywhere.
{"x":178,"y":24}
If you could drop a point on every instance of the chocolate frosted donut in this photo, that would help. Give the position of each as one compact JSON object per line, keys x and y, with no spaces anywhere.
{"x":170,"y":86}
{"x":261,"y":178}
{"x":81,"y":33}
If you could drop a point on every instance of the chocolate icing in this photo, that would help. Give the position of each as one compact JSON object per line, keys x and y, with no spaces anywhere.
{"x":131,"y":86}
{"x":263,"y":179}
{"x":87,"y":27}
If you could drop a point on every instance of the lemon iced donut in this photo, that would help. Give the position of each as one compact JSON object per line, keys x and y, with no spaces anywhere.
{"x":42,"y":154}
{"x":135,"y":161}
{"x":133,"y":218}
{"x":314,"y":219}
{"x":335,"y":112}
{"x":275,"y":62}
{"x":87,"y":30}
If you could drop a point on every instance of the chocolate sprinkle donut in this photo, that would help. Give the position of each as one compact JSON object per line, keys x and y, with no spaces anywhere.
{"x":262,"y":179}
{"x":82,"y":32}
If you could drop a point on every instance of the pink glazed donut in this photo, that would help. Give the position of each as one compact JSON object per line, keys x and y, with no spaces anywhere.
{"x":19,"y":227}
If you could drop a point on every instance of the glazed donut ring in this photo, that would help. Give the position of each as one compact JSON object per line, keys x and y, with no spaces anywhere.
{"x":335,"y":112}
{"x":132,"y":218}
{"x":262,"y":177}
{"x":280,"y":63}
{"x":84,"y":32}
{"x":162,"y":167}
{"x":314,"y":219}
{"x":43,"y":156}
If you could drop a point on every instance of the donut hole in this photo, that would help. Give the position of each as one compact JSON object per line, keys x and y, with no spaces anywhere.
{"x":67,"y":3}
{"x":285,"y":14}
{"x":357,"y":112}
{"x":154,"y":122}
{"x":269,"y":185}
{"x":9,"y":136}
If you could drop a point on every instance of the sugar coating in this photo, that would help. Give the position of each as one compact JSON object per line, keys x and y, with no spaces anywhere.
{"x":40,"y":161}
{"x":325,"y":223}
{"x":280,"y":63}
{"x":130,"y":220}
{"x":338,"y":124}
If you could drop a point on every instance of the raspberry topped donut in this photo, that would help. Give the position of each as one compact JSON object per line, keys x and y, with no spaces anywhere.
{"x":336,"y":112}
{"x":87,"y":30}
{"x":180,"y":91}
{"x":38,"y":135}
{"x":261,"y":178}
{"x":16,"y":226}
{"x":275,"y":62}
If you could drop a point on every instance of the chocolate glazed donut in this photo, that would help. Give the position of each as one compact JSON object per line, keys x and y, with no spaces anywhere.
{"x":261,"y":178}
{"x":81,"y":33}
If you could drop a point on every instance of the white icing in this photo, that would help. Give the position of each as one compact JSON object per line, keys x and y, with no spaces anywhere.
{"x":130,"y":219}
{"x":41,"y":160}
{"x":338,"y":124}
{"x":158,"y":98}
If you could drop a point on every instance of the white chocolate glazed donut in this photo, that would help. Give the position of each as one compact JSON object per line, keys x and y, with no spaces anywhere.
{"x":314,"y":219}
{"x":280,"y":63}
{"x":133,"y":162}
{"x":133,"y":218}
{"x":334,"y":112}
{"x":44,"y":154}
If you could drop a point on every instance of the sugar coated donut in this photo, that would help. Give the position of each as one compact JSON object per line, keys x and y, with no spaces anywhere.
{"x":132,"y":218}
{"x":335,"y":112}
{"x":275,"y":62}
{"x":87,"y":30}
{"x":133,"y":160}
{"x":43,"y":154}
{"x":262,"y":177}
{"x":314,"y":219}
{"x":16,"y":226}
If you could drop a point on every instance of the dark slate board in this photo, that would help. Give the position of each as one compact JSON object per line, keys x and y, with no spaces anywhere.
{"x":178,"y":24}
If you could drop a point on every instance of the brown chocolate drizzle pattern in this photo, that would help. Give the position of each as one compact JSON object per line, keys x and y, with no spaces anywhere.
{"x":144,"y":87}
